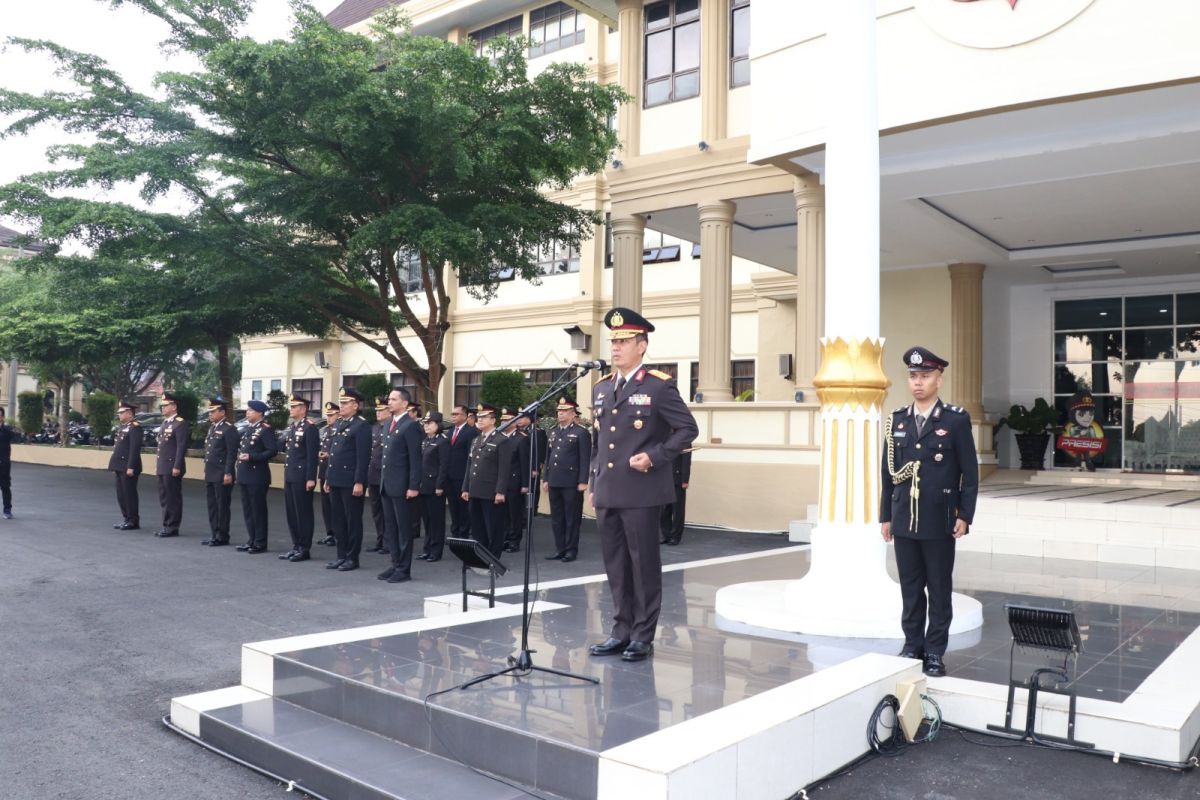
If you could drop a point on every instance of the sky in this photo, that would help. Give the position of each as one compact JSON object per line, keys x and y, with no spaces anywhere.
{"x":126,"y":38}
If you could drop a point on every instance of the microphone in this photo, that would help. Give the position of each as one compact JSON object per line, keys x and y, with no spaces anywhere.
{"x":599,"y":364}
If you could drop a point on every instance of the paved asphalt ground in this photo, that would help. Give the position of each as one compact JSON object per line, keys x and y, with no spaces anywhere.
{"x":99,"y":629}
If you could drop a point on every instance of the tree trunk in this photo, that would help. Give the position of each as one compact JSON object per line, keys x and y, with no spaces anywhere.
{"x":64,"y":407}
{"x":223,"y":366}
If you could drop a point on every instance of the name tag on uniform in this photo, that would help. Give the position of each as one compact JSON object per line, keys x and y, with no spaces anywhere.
{"x":639,"y":399}
{"x":899,"y":434}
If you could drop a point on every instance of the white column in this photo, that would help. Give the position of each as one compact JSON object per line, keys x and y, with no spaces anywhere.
{"x":629,"y":75}
{"x":716,"y":300}
{"x":629,"y":235}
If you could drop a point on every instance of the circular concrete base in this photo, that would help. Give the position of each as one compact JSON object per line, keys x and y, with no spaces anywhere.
{"x":798,"y":606}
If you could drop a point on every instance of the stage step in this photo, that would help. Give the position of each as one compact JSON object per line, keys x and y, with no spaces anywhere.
{"x":339,"y":761}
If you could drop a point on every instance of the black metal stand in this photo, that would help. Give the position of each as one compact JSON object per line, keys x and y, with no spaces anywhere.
{"x":1034,"y":686}
{"x":522,"y":663}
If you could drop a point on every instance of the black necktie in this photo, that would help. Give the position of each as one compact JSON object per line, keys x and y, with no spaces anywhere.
{"x":920,"y":425}
{"x":620,"y":385}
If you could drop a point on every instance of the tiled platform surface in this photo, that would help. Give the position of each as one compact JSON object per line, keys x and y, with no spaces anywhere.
{"x":709,"y":715}
{"x":1150,"y":520}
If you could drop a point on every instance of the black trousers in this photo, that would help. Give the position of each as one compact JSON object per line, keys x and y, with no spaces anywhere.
{"x":460,"y":510}
{"x":433,"y":517}
{"x":298,"y":502}
{"x":254,"y":511}
{"x":629,"y":542}
{"x":6,"y":484}
{"x":670,"y":523}
{"x":347,"y":514}
{"x":170,"y":497}
{"x":566,"y":512}
{"x":326,"y":508}
{"x":398,"y":533}
{"x":488,"y":523}
{"x":926,"y":565}
{"x":127,"y":497}
{"x":374,"y":494}
{"x":219,"y":498}
{"x":515,"y":523}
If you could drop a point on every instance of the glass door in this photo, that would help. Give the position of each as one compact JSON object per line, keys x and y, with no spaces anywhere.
{"x":1162,"y":416}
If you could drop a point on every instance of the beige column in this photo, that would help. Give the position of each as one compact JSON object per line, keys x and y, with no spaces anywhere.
{"x":714,"y":70}
{"x":445,"y":392}
{"x":810,"y":279}
{"x":629,"y":75}
{"x":966,"y":343}
{"x":716,"y":299}
{"x":629,"y":233}
{"x":333,"y":369}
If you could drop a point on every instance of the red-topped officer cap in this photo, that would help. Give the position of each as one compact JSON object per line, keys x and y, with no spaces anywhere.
{"x":625,"y":323}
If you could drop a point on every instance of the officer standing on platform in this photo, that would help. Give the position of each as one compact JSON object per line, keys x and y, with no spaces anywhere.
{"x":257,"y":448}
{"x":331,"y":415}
{"x":487,"y":479}
{"x":930,"y":484}
{"x":220,"y":456}
{"x":435,"y":461}
{"x":126,"y":464}
{"x":301,"y":443}
{"x":172,"y":452}
{"x":568,"y":456}
{"x":375,"y":472}
{"x":401,"y":484}
{"x":673,"y":514}
{"x":641,"y":424}
{"x":461,"y":435}
{"x":346,"y":482}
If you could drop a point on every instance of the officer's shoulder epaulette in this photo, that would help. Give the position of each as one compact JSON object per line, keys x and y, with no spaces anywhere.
{"x":179,"y":419}
{"x":137,"y":424}
{"x":900,"y":410}
{"x":662,"y":376}
{"x":266,"y":424}
{"x":608,"y":377}
{"x":955,"y":409}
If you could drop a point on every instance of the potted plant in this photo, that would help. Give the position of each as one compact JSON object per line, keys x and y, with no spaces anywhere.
{"x":1032,"y":427}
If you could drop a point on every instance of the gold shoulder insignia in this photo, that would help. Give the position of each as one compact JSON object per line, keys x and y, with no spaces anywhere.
{"x":662,"y":376}
{"x":609,"y":376}
{"x":137,"y":424}
{"x":266,"y":424}
{"x":179,"y":419}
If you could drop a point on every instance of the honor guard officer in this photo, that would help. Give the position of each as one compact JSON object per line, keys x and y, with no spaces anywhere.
{"x":461,"y":435}
{"x":331,"y":415}
{"x":301,"y":443}
{"x":673,"y":514}
{"x":172,"y":451}
{"x":930,"y":484}
{"x":435,"y":462}
{"x":568,"y":456}
{"x":375,"y":472}
{"x":400,"y":484}
{"x":487,"y":479}
{"x":257,"y":448}
{"x":126,"y":464}
{"x":517,"y":489}
{"x":641,"y":424}
{"x":220,"y":457}
{"x":346,"y":482}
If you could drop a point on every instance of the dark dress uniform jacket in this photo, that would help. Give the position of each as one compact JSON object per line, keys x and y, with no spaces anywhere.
{"x":460,"y":455}
{"x":401,"y":460}
{"x":490,"y":465}
{"x":568,"y":457}
{"x":127,"y":449}
{"x":375,"y":470}
{"x":259,"y":442}
{"x":301,"y":442}
{"x":647,"y":417}
{"x":435,"y":463}
{"x":949,"y":472}
{"x":323,"y":465}
{"x":172,"y":447}
{"x":681,"y":469}
{"x":220,"y":451}
{"x":349,"y":453}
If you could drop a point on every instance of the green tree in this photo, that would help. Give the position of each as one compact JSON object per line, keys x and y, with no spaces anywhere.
{"x":101,"y":413}
{"x":30,"y":412}
{"x":278,"y":415}
{"x":372,"y":387}
{"x":348,"y":172}
{"x":504,"y":388}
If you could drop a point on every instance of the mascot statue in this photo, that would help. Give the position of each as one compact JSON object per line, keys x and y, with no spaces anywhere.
{"x":1082,"y":438}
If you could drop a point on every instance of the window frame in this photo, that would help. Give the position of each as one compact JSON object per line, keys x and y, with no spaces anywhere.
{"x":311,"y":389}
{"x":737,"y":383}
{"x":672,"y":26}
{"x":734,"y":58}
{"x":556,"y":12}
{"x":256,"y":390}
{"x":468,"y":385}
{"x":511,"y":27}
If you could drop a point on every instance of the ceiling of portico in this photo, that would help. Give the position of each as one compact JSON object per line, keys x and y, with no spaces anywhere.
{"x":764,"y":228}
{"x":1107,"y":180}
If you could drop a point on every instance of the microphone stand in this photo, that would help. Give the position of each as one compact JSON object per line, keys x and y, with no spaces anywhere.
{"x":522,"y":663}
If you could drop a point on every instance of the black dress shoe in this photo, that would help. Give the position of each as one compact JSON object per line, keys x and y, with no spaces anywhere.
{"x":555,"y":556}
{"x":383,"y":551}
{"x":129,"y":527}
{"x":329,"y":540}
{"x":568,"y":558}
{"x":664,"y":540}
{"x":241,"y":548}
{"x":298,"y":556}
{"x":348,"y":565}
{"x":399,"y":577}
{"x":255,"y":550}
{"x":337,"y":562}
{"x":432,"y":559}
{"x":609,"y":647}
{"x":206,"y":542}
{"x":423,"y":557}
{"x":118,"y":526}
{"x":218,"y":543}
{"x":917,"y":654}
{"x":638,"y":651}
{"x":288,"y":554}
{"x":934,"y":667}
{"x":167,"y":534}
{"x":387,"y":573}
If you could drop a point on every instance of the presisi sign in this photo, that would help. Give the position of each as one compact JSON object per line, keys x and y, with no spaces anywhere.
{"x":993,"y":24}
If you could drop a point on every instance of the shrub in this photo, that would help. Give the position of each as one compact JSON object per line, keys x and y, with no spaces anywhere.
{"x":31,"y":411}
{"x":102,"y":411}
{"x":503,"y":388}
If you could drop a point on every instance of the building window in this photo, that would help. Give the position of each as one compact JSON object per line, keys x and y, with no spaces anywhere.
{"x":256,"y":390}
{"x":657,"y":247}
{"x":739,"y":44}
{"x":740,"y":370}
{"x":670,"y":368}
{"x":467,"y":386}
{"x":276,"y":384}
{"x":310,"y":389}
{"x":480,"y":38}
{"x":408,"y":264}
{"x":672,"y":51}
{"x":554,"y":27}
{"x":558,"y":258}
{"x":399,"y":381}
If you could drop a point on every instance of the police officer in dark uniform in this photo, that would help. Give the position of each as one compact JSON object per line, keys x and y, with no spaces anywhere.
{"x":220,"y":455}
{"x":331,"y":415}
{"x":568,"y":458}
{"x":400,"y":484}
{"x":517,"y":489}
{"x":673,"y":514}
{"x":126,"y":464}
{"x":172,"y":452}
{"x":375,"y":472}
{"x":435,"y":463}
{"x":487,"y":480}
{"x":255,"y":452}
{"x":6,"y":439}
{"x":461,"y":434}
{"x":930,"y":484}
{"x":641,"y":425}
{"x":301,"y":443}
{"x":346,"y":481}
